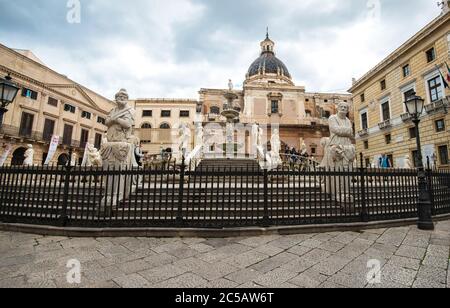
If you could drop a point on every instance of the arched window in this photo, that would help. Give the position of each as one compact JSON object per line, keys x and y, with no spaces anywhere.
{"x":146,"y":126}
{"x":164,"y":126}
{"x":215,"y":110}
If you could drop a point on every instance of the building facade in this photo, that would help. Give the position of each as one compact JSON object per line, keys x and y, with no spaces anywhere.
{"x":382,"y":123}
{"x":158,"y":120}
{"x":48,"y":104}
{"x":270,"y":97}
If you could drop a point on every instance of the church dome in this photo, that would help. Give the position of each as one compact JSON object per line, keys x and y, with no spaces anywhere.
{"x":268,"y":63}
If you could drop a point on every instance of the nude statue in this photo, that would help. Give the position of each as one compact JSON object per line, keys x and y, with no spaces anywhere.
{"x":29,"y":156}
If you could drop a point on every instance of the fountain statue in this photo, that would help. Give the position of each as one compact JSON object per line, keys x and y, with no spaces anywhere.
{"x":275,"y":143}
{"x":185,"y":140}
{"x":92,"y":157}
{"x":232,"y":115}
{"x":29,"y":156}
{"x":118,"y":150}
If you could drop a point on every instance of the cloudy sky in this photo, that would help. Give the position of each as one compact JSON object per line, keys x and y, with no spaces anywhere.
{"x":172,"y":48}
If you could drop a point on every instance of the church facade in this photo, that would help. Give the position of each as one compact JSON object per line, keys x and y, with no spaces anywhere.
{"x":271,"y":99}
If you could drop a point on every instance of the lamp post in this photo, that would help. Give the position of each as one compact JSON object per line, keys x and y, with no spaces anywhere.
{"x":414,"y":106}
{"x":8,"y":92}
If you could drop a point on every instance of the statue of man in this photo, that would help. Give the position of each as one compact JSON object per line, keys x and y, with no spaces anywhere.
{"x":199,"y":135}
{"x":340,"y":151}
{"x":276,"y":147}
{"x":29,"y":156}
{"x":121,"y":119}
{"x":74,"y":160}
{"x":408,"y":164}
{"x":185,"y":138}
{"x":230,"y":85}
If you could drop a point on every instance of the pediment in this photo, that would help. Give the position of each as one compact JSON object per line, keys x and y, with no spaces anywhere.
{"x":75,"y":92}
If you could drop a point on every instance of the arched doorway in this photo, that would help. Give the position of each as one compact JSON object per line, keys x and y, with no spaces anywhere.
{"x":18,"y":157}
{"x":63,"y":159}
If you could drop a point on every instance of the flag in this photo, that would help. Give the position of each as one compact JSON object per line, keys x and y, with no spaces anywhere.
{"x":448,"y":72}
{"x":442,"y":76}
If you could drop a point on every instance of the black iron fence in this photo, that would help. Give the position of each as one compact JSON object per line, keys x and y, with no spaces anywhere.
{"x":212,"y":197}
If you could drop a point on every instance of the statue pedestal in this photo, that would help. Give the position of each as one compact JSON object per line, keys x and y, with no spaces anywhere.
{"x":116,"y":156}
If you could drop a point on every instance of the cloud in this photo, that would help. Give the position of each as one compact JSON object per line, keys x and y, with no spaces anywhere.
{"x":172,"y":48}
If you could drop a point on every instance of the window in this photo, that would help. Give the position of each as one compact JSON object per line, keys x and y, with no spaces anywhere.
{"x":53,"y":102}
{"x":84,"y":138}
{"x":326,"y":101}
{"x":443,"y":155}
{"x":440,"y":125}
{"x":215,"y":110}
{"x":98,"y":140}
{"x":383,"y":84}
{"x":67,"y":135}
{"x":366,"y":145}
{"x":147,"y":113}
{"x":406,"y":70}
{"x":326,"y":114}
{"x":431,"y":55}
{"x":388,"y":139}
{"x":364,"y":121}
{"x":412,"y":133}
{"x":313,"y":151}
{"x":165,"y":114}
{"x":307,"y":100}
{"x":363,"y":98}
{"x":409,"y":94}
{"x":184,"y":114}
{"x":368,"y":164}
{"x":26,"y":125}
{"x":86,"y":115}
{"x":146,"y":126}
{"x":164,"y":126}
{"x":49,"y":128}
{"x":391,"y":160}
{"x":308,"y":113}
{"x":386,"y":111}
{"x":101,"y":120}
{"x":274,"y":107}
{"x":69,"y":108}
{"x":29,"y":94}
{"x":435,"y":88}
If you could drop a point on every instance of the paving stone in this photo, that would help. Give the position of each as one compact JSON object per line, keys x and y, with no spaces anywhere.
{"x":162,"y":273}
{"x":432,"y":273}
{"x":258,"y":241}
{"x":346,"y":237}
{"x":300,"y":250}
{"x":380,"y":251}
{"x":349,"y":280}
{"x":311,"y":243}
{"x":286,"y":242}
{"x":275,"y":278}
{"x":132,"y":281}
{"x":309,"y":279}
{"x":205,"y":269}
{"x":221,"y":283}
{"x":331,"y":265}
{"x":160,"y":260}
{"x":202,"y":248}
{"x":184,"y":281}
{"x":134,"y":266}
{"x":244,"y":275}
{"x":428,"y":284}
{"x":404,"y":262}
{"x":274,"y":262}
{"x":332,"y":246}
{"x":246,"y":259}
{"x":417,"y":240}
{"x":271,"y":250}
{"x":398,"y":275}
{"x":411,"y":252}
{"x":440,"y":262}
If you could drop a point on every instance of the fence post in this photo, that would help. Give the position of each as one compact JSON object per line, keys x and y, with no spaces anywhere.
{"x":181,"y":192}
{"x":429,"y":173}
{"x":266,"y":219}
{"x":362,"y":174}
{"x":64,"y":218}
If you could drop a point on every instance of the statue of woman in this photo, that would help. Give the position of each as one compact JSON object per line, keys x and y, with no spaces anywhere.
{"x":408,"y":164}
{"x":340,"y":151}
{"x":121,"y":119}
{"x":276,"y":147}
{"x":29,"y":156}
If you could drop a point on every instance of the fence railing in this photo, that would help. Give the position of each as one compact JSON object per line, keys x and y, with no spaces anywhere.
{"x":212,"y":197}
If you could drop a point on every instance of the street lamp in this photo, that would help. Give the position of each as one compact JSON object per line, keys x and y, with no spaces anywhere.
{"x":415,"y":105}
{"x":8,"y":92}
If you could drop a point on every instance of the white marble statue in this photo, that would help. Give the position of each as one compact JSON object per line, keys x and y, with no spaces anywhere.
{"x":92,"y":157}
{"x":74,"y":160}
{"x":275,"y":143}
{"x":184,"y":133}
{"x":260,"y":137}
{"x":118,"y":150}
{"x":407,"y":163}
{"x":199,"y":135}
{"x":254,"y":141}
{"x":29,"y":156}
{"x":230,"y":85}
{"x":340,"y":151}
{"x":304,"y":149}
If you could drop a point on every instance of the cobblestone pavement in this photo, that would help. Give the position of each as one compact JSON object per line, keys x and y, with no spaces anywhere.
{"x":409,"y":258}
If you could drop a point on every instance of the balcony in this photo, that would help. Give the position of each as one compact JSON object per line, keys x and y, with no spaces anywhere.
{"x":440,"y":106}
{"x":406,"y":117}
{"x":364,"y":132}
{"x":385,"y":125}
